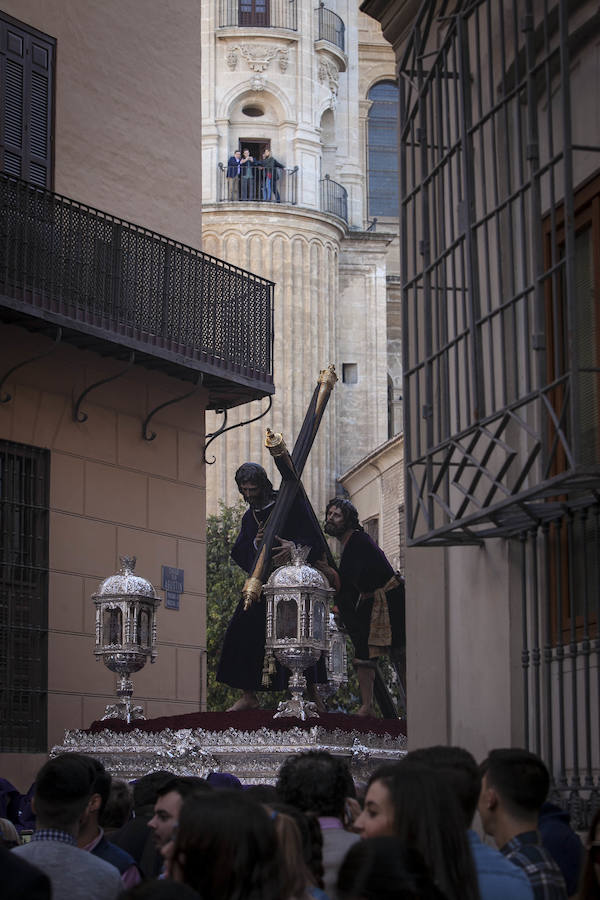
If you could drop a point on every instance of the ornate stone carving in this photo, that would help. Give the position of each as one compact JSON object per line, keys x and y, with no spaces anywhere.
{"x":231,"y":58}
{"x":257,"y":56}
{"x":258,"y":83}
{"x":329,"y":72}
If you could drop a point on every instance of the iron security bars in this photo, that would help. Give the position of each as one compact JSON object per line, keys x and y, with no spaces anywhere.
{"x":334,"y":198}
{"x":501,"y":378}
{"x":68,"y":263}
{"x":330,"y":27}
{"x":24,"y":502}
{"x":258,"y":14}
{"x":559,"y":566}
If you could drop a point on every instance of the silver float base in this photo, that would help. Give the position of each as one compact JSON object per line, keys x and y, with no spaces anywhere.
{"x":253,"y":756}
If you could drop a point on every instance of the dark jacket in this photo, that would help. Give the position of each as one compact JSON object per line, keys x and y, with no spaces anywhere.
{"x":562,"y":843}
{"x":233,"y":167}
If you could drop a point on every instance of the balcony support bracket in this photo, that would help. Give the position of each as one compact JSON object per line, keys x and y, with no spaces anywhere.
{"x":224,"y":427}
{"x":149,"y":436}
{"x":57,"y":339}
{"x":79,"y":416}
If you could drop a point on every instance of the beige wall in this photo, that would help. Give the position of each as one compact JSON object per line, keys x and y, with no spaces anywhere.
{"x":127,"y":123}
{"x":376,"y":487}
{"x":111,"y":493}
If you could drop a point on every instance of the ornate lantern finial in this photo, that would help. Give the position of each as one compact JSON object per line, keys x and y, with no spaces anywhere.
{"x":126,"y":607}
{"x":297,"y":598}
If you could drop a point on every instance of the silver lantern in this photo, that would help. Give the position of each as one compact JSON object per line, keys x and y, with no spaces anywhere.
{"x":125,"y":632}
{"x":297,"y":598}
{"x":336,"y":661}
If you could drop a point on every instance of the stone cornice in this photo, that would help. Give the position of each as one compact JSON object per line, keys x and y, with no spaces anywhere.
{"x":254,"y":34}
{"x":256,"y":214}
{"x":395,"y":16}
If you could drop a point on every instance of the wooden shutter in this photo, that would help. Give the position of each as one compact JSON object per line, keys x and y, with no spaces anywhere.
{"x":26,"y":102}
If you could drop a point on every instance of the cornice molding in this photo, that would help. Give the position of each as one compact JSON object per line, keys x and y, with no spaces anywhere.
{"x":395,"y":16}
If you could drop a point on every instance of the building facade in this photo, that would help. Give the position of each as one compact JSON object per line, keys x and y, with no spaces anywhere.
{"x":313,"y":86}
{"x":499,"y":188}
{"x":114,"y":340}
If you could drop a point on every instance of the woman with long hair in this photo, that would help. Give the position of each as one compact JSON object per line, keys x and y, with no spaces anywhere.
{"x":226,"y":848}
{"x":382,"y":868}
{"x":414,"y":804}
{"x":301,"y":846}
{"x":590,"y":878}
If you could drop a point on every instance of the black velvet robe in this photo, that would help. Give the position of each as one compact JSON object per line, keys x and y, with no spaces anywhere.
{"x":364,"y":567}
{"x":243,"y":649}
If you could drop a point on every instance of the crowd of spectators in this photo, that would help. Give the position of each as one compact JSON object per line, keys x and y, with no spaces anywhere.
{"x":406,"y":835}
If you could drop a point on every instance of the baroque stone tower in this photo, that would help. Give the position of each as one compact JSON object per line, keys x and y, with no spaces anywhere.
{"x":284,"y":76}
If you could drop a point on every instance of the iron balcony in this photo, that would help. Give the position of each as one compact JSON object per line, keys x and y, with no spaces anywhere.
{"x":113,"y":286}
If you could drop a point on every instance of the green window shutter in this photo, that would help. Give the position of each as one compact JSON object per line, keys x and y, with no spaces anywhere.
{"x":26,"y":98}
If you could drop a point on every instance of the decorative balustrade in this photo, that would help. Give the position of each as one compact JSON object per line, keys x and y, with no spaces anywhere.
{"x":92,"y":273}
{"x":330,"y":27}
{"x":258,"y":14}
{"x":260,"y":186}
{"x":334,"y":198}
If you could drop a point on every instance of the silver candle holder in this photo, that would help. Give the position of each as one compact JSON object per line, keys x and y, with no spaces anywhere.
{"x":126,"y":607}
{"x":297,"y":598}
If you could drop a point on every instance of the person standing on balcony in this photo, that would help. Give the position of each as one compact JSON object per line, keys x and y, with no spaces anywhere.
{"x":271,"y":176}
{"x":234,"y":170}
{"x":247,"y":175}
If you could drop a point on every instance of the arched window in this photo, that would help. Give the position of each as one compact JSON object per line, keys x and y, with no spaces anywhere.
{"x":383,"y":149}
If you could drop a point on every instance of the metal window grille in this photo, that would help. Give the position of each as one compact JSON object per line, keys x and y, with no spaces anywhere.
{"x":24,"y":504}
{"x":559,"y":566}
{"x":495,"y":417}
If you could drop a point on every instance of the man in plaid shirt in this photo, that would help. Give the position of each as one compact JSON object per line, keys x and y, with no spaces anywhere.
{"x":515,"y":784}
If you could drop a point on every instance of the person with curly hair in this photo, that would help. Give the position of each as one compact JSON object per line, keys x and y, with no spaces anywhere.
{"x":370,"y":598}
{"x":317,"y":782}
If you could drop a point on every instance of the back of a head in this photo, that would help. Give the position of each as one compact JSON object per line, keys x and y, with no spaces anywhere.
{"x":428,"y":818}
{"x":63,"y":788}
{"x":383,"y":868}
{"x":315,"y":782}
{"x":458,"y":767}
{"x":294,"y":873}
{"x":520,"y":778}
{"x":118,"y":806}
{"x":9,"y":836}
{"x":145,"y":790}
{"x":226,"y":847}
{"x":102,"y":782}
{"x":311,"y":837}
{"x":160,"y":889}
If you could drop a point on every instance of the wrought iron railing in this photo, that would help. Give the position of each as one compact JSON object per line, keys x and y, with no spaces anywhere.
{"x":259,"y":186}
{"x":330,"y":27}
{"x":63,"y":261}
{"x":258,"y":14}
{"x":501,"y":375}
{"x":334,"y":198}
